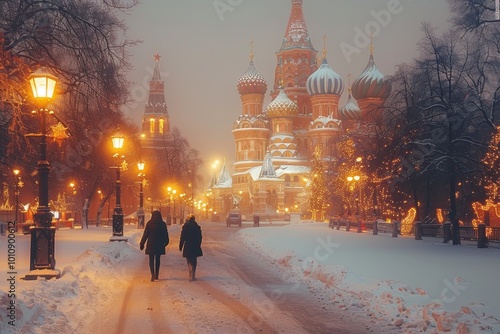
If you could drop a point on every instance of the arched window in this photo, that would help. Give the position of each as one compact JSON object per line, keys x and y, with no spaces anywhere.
{"x":152,"y":125}
{"x":161,"y":125}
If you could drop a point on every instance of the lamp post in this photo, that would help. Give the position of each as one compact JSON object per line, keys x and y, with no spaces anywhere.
{"x":140,"y":211}
{"x":118,"y":140}
{"x":43,"y":233}
{"x":350,"y":179}
{"x":18,"y":180}
{"x":169,"y":217}
{"x":73,"y":197}
{"x":173,"y":212}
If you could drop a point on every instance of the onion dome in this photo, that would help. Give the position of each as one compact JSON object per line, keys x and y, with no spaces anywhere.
{"x":282,"y":106}
{"x":350,"y":111}
{"x":371,"y":83}
{"x":325,"y":81}
{"x":252,"y":82}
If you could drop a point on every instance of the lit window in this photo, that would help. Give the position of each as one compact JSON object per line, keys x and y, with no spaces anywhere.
{"x":152,"y":125}
{"x":162,"y":126}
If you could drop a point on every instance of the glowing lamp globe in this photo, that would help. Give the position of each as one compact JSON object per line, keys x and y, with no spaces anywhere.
{"x":140,"y":165}
{"x":42,"y":83}
{"x":118,"y":140}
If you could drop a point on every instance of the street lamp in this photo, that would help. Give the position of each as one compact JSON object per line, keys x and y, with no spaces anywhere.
{"x":355,"y":178}
{"x":73,"y":198}
{"x":169,"y":218}
{"x":117,"y":141}
{"x":43,"y":233}
{"x":17,"y":186}
{"x":140,"y":212}
{"x":173,"y":212}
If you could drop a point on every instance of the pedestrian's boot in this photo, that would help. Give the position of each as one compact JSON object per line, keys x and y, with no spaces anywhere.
{"x":157,"y":275}
{"x":152,"y":275}
{"x":190,"y":267}
{"x":193,"y":274}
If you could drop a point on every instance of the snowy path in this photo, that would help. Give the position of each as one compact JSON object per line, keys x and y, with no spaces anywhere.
{"x":237,"y":292}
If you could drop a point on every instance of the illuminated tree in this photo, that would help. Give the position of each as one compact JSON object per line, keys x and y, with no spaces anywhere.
{"x":318,"y":197}
{"x":491,"y":181}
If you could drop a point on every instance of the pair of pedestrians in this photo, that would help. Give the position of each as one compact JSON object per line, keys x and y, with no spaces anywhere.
{"x":156,"y":238}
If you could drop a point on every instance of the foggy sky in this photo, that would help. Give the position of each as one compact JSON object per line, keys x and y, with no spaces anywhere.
{"x":205,"y":46}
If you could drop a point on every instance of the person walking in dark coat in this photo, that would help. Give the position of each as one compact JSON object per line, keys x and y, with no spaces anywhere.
{"x":156,"y":235}
{"x":190,"y":245}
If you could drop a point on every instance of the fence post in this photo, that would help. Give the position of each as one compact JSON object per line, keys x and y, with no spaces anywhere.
{"x":395,"y":229}
{"x":482,"y":239}
{"x":360,"y":230}
{"x":418,"y":230}
{"x":375,"y":227}
{"x":338,"y":224}
{"x":330,"y":223}
{"x":446,"y":232}
{"x":347,"y":225}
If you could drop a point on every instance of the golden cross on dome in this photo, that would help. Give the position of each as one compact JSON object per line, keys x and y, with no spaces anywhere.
{"x":371,"y":43}
{"x":324,"y":46}
{"x":251,"y":50}
{"x":157,"y":56}
{"x":349,"y":80}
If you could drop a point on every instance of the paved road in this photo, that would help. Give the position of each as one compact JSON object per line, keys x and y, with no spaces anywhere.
{"x":237,"y":291}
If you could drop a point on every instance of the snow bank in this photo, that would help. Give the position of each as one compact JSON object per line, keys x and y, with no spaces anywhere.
{"x":313,"y":255}
{"x":63,"y":305}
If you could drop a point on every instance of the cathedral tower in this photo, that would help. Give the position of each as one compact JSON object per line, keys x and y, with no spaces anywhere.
{"x":251,"y":130}
{"x":296,"y":61}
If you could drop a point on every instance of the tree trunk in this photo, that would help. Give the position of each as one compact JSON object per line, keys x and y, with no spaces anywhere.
{"x":453,"y":210}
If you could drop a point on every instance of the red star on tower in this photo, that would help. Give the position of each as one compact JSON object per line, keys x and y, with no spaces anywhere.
{"x":157,"y":57}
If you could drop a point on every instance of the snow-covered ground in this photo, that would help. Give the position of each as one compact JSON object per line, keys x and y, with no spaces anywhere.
{"x":417,"y":286}
{"x":420,"y":286}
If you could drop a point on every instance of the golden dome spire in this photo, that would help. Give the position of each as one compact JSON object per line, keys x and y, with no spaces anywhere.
{"x":349,"y":83}
{"x":371,"y":44}
{"x":251,"y":51}
{"x":324,"y":47}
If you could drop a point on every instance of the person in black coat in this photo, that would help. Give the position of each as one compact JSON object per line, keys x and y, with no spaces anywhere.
{"x":190,"y":245}
{"x":156,"y":235}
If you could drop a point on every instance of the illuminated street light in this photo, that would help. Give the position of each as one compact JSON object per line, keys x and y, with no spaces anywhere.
{"x":17,"y":186}
{"x":140,"y":211}
{"x":42,"y":260}
{"x":118,"y":140}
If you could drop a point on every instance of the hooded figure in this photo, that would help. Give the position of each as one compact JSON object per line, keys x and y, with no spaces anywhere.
{"x":190,"y":245}
{"x":156,"y":235}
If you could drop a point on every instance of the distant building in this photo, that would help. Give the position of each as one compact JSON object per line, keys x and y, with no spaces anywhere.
{"x":156,"y":139}
{"x":274,"y":145}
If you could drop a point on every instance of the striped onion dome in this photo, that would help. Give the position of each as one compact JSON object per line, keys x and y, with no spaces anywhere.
{"x":251,"y":82}
{"x":350,"y":111}
{"x":371,"y":83}
{"x":282,"y":106}
{"x":325,"y":81}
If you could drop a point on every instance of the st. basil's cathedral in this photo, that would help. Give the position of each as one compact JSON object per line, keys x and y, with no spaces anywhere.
{"x":274,"y":145}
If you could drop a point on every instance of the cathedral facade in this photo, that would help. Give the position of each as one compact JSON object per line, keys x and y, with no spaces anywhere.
{"x":274,"y":145}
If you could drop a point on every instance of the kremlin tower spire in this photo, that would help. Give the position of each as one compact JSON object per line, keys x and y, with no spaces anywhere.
{"x":156,"y":136}
{"x":155,"y":122}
